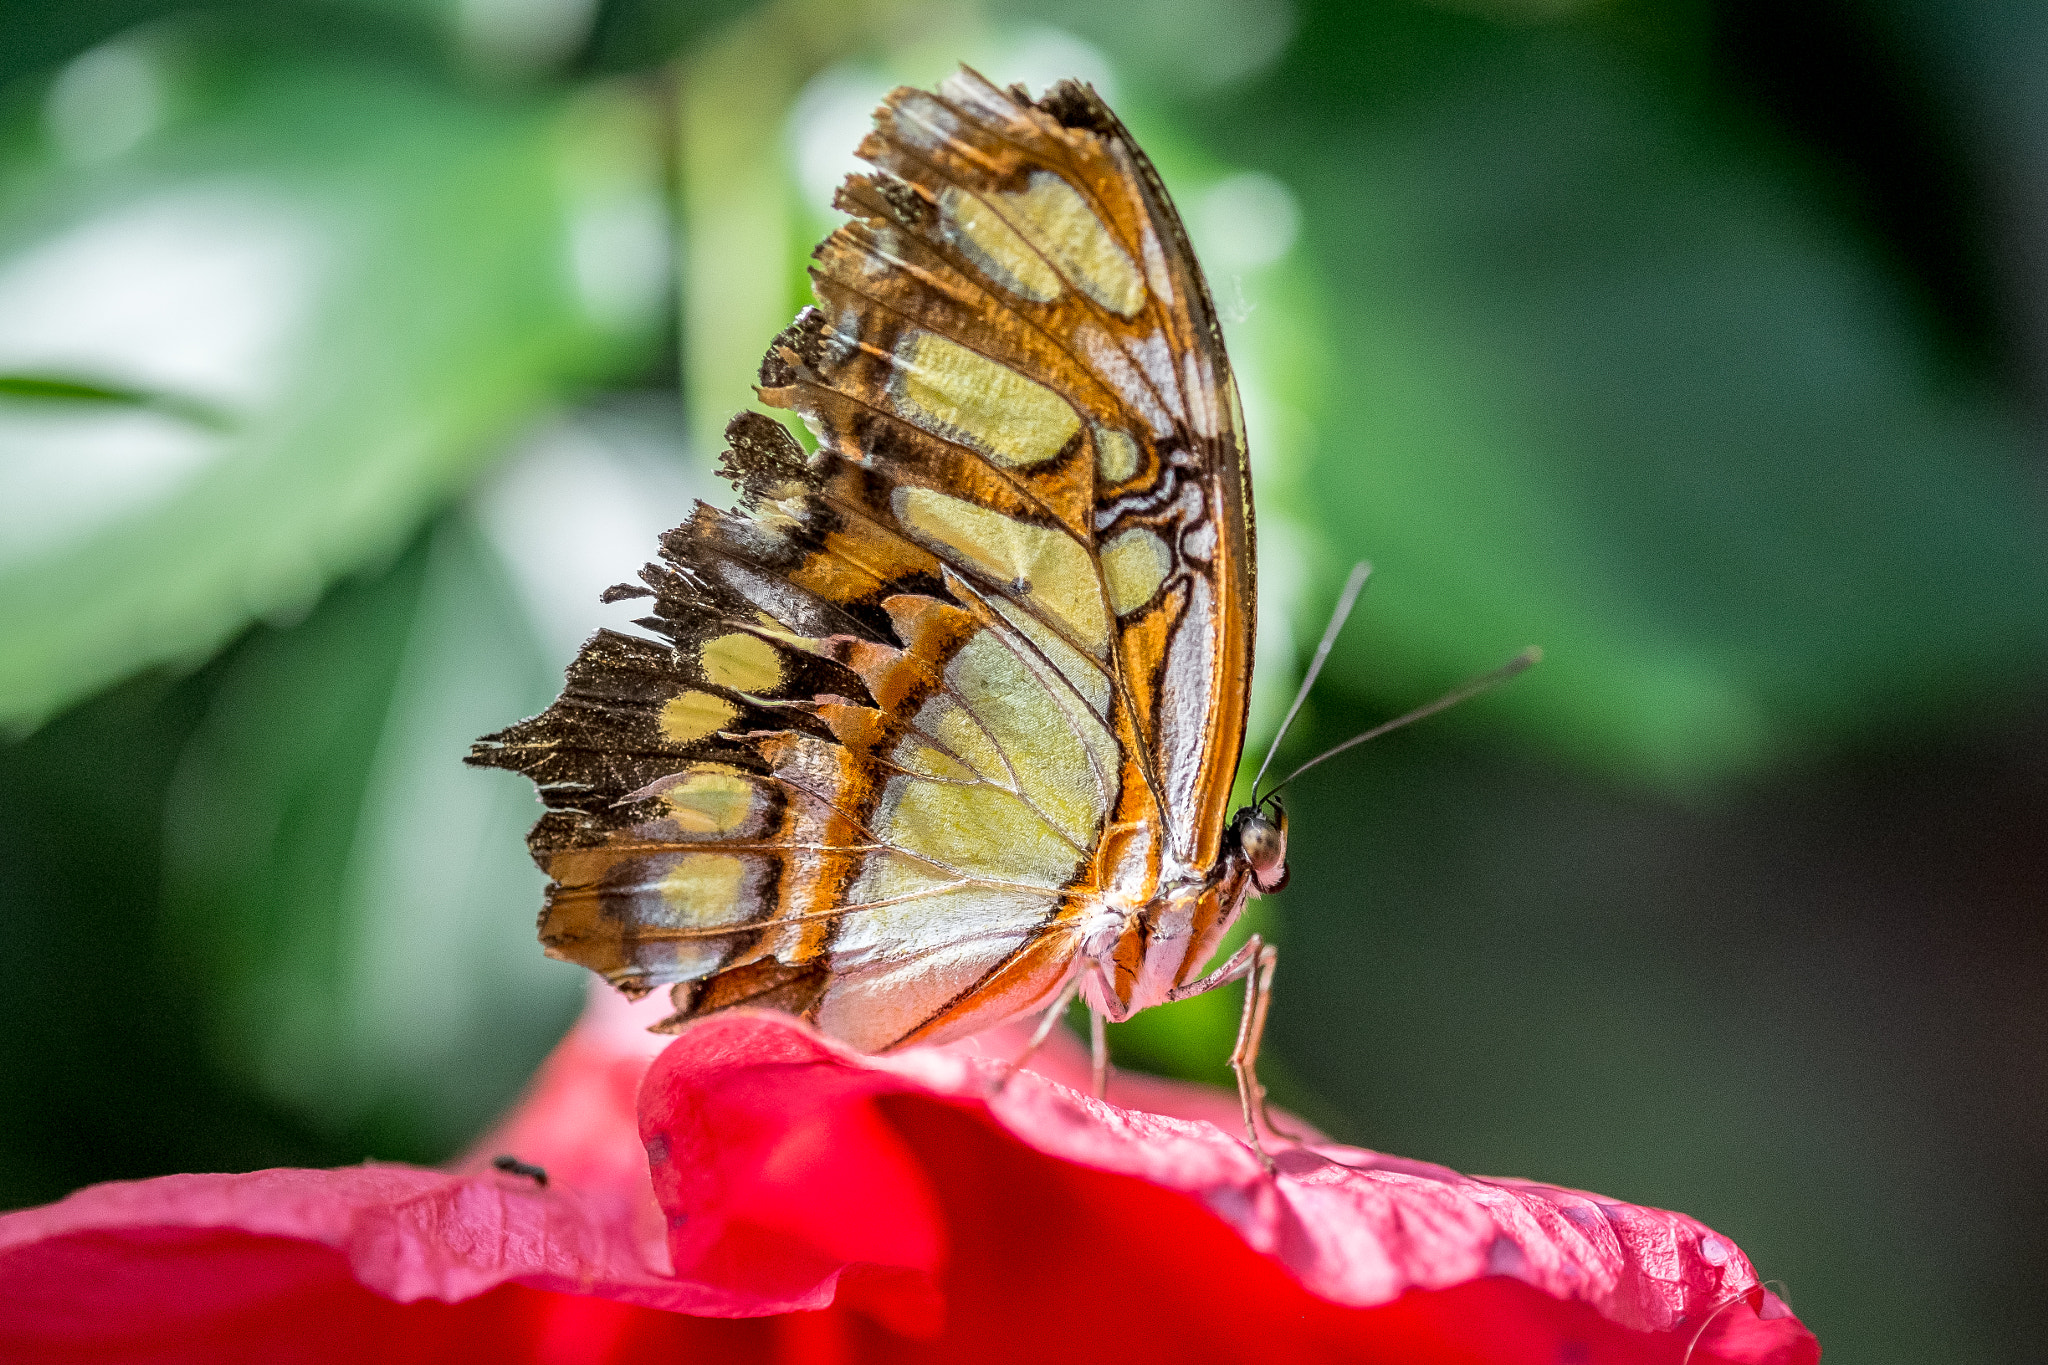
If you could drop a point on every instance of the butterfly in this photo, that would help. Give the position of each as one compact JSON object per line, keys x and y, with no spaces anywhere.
{"x":939,"y":727}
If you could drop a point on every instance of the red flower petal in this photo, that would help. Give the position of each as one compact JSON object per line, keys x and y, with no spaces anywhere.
{"x":191,"y":1266}
{"x":796,"y":1169}
{"x":933,"y":1225}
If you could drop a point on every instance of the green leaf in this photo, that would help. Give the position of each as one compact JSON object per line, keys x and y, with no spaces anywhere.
{"x":358,"y":903}
{"x":372,"y":276}
{"x":56,"y":389}
{"x":1603,"y":380}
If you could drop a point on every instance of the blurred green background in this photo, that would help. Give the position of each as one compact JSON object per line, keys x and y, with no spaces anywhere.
{"x":348,"y":349}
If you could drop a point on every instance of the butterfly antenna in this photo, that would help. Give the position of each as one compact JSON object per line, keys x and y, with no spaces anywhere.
{"x":1527,"y":658}
{"x":1346,"y":600}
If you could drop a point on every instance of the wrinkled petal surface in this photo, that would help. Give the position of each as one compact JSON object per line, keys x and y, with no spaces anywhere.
{"x":214,"y":1267}
{"x":797,"y":1202}
{"x":907,"y":1188}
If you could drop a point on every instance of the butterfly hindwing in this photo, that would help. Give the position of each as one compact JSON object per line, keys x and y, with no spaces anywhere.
{"x":979,"y":661}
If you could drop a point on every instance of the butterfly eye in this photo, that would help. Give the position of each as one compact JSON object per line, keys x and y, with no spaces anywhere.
{"x":1265,"y":847}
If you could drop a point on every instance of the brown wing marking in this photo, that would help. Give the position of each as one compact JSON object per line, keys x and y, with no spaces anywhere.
{"x":940,"y":683}
{"x":1041,"y":239}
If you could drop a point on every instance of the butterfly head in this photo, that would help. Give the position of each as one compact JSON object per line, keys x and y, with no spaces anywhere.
{"x":1261,"y":838}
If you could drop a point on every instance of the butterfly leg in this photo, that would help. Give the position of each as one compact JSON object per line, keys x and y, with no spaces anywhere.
{"x":1039,"y":1034}
{"x":1251,"y":1032}
{"x":1098,"y":1049}
{"x":1253,"y":963}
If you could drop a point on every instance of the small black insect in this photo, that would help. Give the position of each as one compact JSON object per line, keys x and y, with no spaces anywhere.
{"x":512,"y":1165}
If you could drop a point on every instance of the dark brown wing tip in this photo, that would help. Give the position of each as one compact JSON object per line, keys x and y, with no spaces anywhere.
{"x":1076,"y":105}
{"x":491,"y":752}
{"x":877,"y":196}
{"x":800,"y":343}
{"x":760,"y":456}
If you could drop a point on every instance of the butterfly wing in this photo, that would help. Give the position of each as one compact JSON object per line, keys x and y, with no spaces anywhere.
{"x":974,"y":668}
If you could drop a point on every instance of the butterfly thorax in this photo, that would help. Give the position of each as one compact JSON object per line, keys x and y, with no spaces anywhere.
{"x":1132,"y":959}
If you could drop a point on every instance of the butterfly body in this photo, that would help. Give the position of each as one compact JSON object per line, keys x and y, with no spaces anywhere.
{"x":940,"y":725}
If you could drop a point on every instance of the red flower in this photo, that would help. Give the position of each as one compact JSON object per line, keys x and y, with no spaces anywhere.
{"x":811,"y":1204}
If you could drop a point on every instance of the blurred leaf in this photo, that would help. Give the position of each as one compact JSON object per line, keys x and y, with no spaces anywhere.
{"x":359,"y":903}
{"x":744,"y":233}
{"x":375,"y":277}
{"x":1979,"y":63}
{"x":40,"y":35}
{"x":1777,"y":1010}
{"x":498,"y":38}
{"x":104,"y":1075}
{"x":59,"y":390}
{"x":734,"y":209}
{"x":632,"y":34}
{"x":1182,"y":46}
{"x":1603,"y":380}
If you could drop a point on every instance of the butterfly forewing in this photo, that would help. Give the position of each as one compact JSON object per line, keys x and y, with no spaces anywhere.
{"x":941,"y":689}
